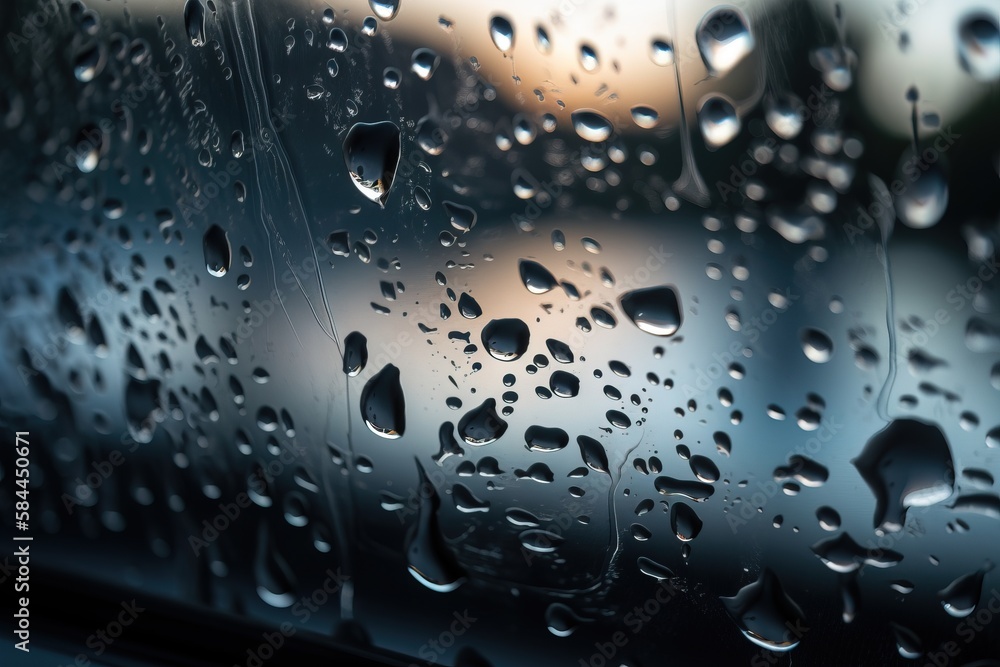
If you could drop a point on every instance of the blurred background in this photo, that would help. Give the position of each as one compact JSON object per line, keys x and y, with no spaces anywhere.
{"x":567,"y":333}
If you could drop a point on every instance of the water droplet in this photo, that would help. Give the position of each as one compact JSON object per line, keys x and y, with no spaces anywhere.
{"x":482,"y":425}
{"x":591,"y":126}
{"x":828,"y":518}
{"x":384,"y":9}
{"x":560,"y":620}
{"x":466,"y":501}
{"x":194,"y":21}
{"x":765,"y":614}
{"x":784,"y":115}
{"x":564,"y":385}
{"x":371,"y":151}
{"x":545,"y":439}
{"x":461,"y":217}
{"x":506,"y":339}
{"x":718,"y":121}
{"x":842,"y":554}
{"x":816,"y":345}
{"x":907,"y":464}
{"x":272,"y":573}
{"x":355,"y":353}
{"x":684,"y":521}
{"x":502,"y":34}
{"x":960,"y":597}
{"x":724,"y":39}
{"x":655,"y":310}
{"x":218,"y":253}
{"x":979,"y":46}
{"x":536,"y":277}
{"x":423,"y":62}
{"x":428,"y":558}
{"x":382,"y":404}
{"x":593,"y":453}
{"x":661,"y":52}
{"x":924,"y":198}
{"x":645,"y":117}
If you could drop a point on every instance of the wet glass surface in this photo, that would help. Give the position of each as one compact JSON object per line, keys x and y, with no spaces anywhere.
{"x":538,"y":333}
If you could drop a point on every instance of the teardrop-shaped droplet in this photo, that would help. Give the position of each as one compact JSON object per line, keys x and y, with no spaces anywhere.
{"x":924,"y":197}
{"x":724,"y":39}
{"x":194,"y":21}
{"x":482,"y":425}
{"x":382,"y":403}
{"x":593,"y":453}
{"x":462,"y":218}
{"x":502,"y":33}
{"x":428,"y":557}
{"x":590,"y":125}
{"x":384,"y":9}
{"x":423,"y":62}
{"x":355,"y":353}
{"x":718,"y":121}
{"x":536,"y":277}
{"x":218,"y":252}
{"x":272,"y":574}
{"x":907,"y":464}
{"x":979,"y":46}
{"x":645,"y":117}
{"x":371,"y":151}
{"x":960,"y":597}
{"x":684,"y":521}
{"x":655,"y":310}
{"x":765,"y":614}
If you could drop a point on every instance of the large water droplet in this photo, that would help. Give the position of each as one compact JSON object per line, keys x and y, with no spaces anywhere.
{"x":816,"y":345}
{"x":979,"y":46}
{"x":371,"y":151}
{"x":960,"y":597}
{"x":593,"y":453}
{"x":384,"y":9}
{"x":591,"y":125}
{"x":545,"y":439}
{"x":907,"y":464}
{"x":718,"y":121}
{"x":536,"y":277}
{"x":218,"y":253}
{"x":382,"y":404}
{"x":685,"y":522}
{"x":924,"y":198}
{"x":355,"y":353}
{"x":461,"y":217}
{"x":482,"y":425}
{"x":724,"y":39}
{"x":502,"y":33}
{"x":423,"y":62}
{"x":429,"y":559}
{"x":661,"y":52}
{"x":506,"y":339}
{"x":194,"y":21}
{"x":765,"y":614}
{"x":655,"y":310}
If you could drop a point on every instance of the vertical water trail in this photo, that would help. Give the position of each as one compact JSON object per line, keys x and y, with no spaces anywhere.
{"x":279,"y":191}
{"x":885,"y":224}
{"x":612,"y":505}
{"x":689,"y":184}
{"x":285,"y":189}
